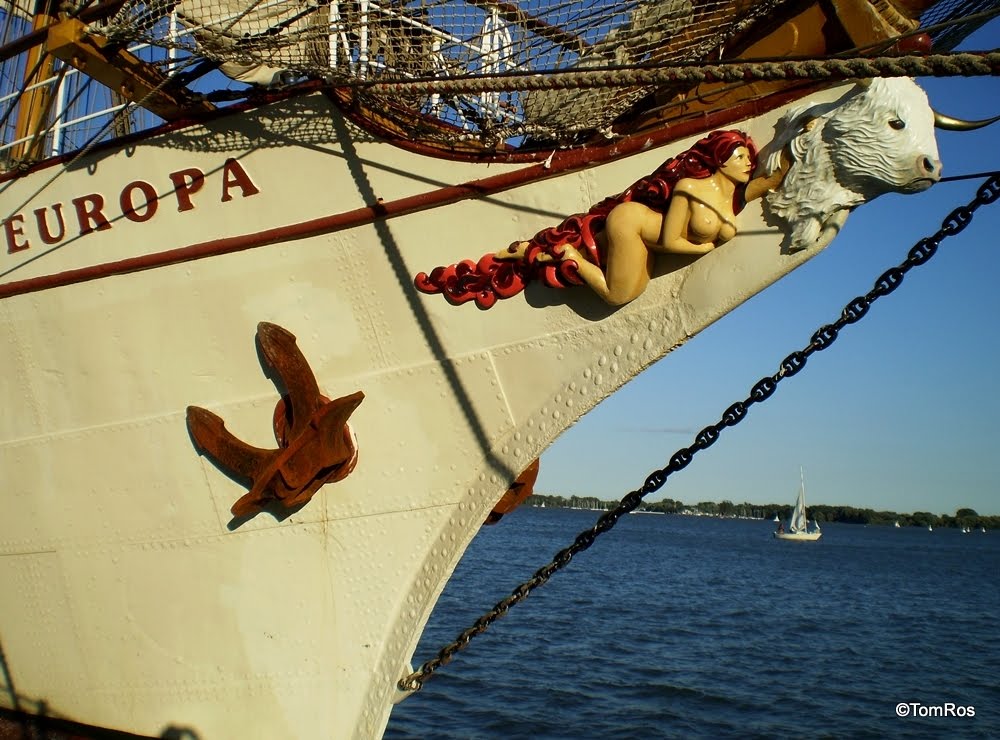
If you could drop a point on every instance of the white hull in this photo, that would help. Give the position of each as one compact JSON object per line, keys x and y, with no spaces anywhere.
{"x":137,"y":606}
{"x":798,"y":536}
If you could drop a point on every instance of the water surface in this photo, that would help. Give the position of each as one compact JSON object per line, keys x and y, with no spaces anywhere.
{"x":679,"y":627}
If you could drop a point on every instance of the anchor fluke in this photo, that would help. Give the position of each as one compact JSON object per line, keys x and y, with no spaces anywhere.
{"x":316,"y":445}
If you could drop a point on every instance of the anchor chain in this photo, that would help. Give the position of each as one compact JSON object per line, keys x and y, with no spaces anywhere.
{"x":853,"y":312}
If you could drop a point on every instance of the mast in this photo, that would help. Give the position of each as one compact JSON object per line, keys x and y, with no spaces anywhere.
{"x":37,"y":99}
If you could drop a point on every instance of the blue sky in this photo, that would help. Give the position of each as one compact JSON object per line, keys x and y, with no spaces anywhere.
{"x":899,"y":414}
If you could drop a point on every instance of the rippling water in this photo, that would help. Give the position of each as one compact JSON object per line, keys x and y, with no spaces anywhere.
{"x":694,"y":627}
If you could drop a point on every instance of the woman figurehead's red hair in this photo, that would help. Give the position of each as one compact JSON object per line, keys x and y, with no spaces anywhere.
{"x":700,"y":161}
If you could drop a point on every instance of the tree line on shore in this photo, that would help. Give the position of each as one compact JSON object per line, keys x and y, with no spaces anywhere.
{"x":963,"y":517}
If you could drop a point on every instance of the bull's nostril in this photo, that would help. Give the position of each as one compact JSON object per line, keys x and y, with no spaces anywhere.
{"x":928,"y":165}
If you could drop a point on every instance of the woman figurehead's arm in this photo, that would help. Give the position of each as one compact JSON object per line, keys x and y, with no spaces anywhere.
{"x":760,"y":186}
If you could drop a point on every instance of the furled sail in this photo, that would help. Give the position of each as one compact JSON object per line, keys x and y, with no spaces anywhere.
{"x":259,"y":42}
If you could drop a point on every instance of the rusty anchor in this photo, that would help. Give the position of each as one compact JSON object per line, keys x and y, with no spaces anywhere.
{"x":315,"y":443}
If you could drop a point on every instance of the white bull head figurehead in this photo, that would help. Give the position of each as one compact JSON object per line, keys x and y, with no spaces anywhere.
{"x":878,"y":138}
{"x":882,"y":139}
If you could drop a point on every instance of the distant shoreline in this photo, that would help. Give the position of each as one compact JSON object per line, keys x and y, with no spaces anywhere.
{"x":963,"y":518}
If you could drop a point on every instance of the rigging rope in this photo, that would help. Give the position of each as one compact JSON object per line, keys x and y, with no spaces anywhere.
{"x":938,"y":65}
{"x":853,"y":312}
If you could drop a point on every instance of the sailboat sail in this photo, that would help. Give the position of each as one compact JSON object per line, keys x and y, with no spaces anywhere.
{"x":799,"y":522}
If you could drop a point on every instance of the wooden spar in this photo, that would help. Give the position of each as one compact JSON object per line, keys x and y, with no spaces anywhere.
{"x":97,"y":12}
{"x":121,"y":71}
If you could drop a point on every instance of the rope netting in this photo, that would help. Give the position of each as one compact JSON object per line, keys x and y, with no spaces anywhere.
{"x":360,"y":41}
{"x":351,"y":41}
{"x":394,"y":52}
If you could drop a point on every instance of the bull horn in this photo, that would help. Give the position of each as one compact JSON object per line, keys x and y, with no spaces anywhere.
{"x":957,"y":124}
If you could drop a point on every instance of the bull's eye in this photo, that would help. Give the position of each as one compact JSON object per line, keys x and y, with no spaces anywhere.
{"x":897,"y":124}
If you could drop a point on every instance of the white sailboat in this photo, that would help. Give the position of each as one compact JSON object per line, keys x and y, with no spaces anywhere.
{"x":798,"y":524}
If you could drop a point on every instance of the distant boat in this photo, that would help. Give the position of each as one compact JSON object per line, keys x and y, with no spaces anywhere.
{"x":798,"y":524}
{"x":930,"y":528}
{"x":983,"y":530}
{"x":776,"y":518}
{"x":896,"y":525}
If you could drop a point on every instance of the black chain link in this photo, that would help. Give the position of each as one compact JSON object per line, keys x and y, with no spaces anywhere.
{"x":891,"y":279}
